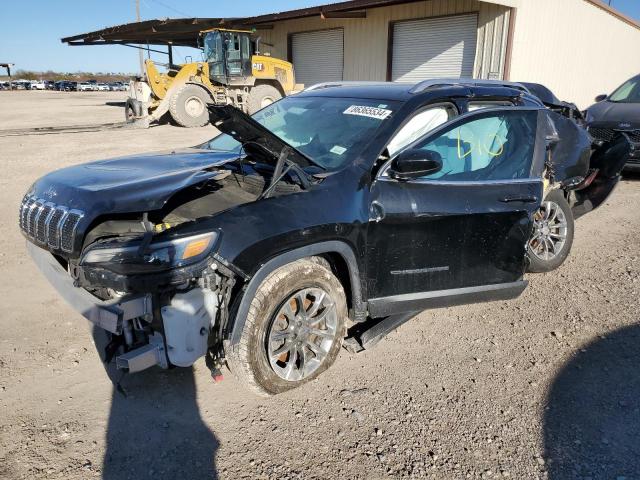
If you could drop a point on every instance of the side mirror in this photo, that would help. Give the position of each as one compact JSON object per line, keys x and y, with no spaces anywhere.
{"x":602,"y":97}
{"x":414,"y":163}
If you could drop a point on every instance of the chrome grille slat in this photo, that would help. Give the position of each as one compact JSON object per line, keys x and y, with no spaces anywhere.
{"x":31,"y":221}
{"x":41,"y":233}
{"x":49,"y":224}
{"x":68,"y":230}
{"x":53,"y":239}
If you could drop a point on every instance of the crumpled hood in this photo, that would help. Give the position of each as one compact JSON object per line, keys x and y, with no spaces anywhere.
{"x":128,"y":184}
{"x":612,"y":114}
{"x":134,"y":184}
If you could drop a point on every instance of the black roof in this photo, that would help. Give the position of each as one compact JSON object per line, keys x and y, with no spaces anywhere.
{"x":405,"y":91}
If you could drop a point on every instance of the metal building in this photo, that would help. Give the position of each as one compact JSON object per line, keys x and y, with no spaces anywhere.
{"x":579,"y":48}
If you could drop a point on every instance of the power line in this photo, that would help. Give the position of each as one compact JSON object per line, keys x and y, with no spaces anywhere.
{"x":169,"y":7}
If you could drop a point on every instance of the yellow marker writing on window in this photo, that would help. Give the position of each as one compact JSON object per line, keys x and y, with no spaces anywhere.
{"x":493,"y":139}
{"x":461,"y":153}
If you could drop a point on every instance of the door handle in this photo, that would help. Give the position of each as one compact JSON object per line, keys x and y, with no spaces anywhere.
{"x":523,"y":199}
{"x":376,"y":211}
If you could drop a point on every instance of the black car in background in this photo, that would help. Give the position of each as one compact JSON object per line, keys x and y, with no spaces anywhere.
{"x":344,"y":205}
{"x":618,"y":114}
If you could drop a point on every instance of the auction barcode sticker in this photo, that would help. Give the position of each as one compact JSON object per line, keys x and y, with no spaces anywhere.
{"x":363,"y":111}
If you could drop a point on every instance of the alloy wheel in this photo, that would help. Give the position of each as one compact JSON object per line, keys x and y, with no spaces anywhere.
{"x":302,"y":333}
{"x":549,"y":231}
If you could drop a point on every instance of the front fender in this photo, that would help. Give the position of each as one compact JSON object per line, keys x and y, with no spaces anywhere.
{"x":238,"y":319}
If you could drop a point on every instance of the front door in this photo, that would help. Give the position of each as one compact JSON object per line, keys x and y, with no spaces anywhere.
{"x":458,"y":235}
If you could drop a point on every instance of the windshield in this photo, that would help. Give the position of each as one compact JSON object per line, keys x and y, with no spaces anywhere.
{"x":629,"y":92}
{"x":330,"y":131}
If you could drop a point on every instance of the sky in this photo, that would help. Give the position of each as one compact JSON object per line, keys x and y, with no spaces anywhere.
{"x":30,"y":31}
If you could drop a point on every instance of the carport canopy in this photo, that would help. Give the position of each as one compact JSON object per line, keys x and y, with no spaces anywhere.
{"x":178,"y":32}
{"x":184,"y":31}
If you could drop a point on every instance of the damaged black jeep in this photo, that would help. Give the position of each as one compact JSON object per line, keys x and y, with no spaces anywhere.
{"x":338,"y":212}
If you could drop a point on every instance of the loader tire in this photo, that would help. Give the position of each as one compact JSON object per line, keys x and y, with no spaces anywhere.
{"x":262,"y":96}
{"x":188,"y":106}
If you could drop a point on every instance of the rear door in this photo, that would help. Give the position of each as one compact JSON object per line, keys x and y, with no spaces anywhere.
{"x":458,"y":235}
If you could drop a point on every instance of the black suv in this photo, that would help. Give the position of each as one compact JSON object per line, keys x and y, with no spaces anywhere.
{"x":618,"y":114}
{"x":334,"y":213}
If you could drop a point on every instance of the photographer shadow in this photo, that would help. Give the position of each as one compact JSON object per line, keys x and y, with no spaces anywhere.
{"x":592,"y":418}
{"x":155,"y":429}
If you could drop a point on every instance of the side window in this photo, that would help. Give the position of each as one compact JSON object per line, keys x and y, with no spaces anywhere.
{"x":479,"y":104}
{"x":495,"y":146}
{"x":418,"y":126}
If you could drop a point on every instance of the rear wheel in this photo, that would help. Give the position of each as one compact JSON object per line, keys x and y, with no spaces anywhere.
{"x":552,"y":235}
{"x":294,"y":328}
{"x":188,"y":106}
{"x":262,"y":96}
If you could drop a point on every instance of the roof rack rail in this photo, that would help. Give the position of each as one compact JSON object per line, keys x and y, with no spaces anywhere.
{"x":348,"y":83}
{"x":442,"y":82}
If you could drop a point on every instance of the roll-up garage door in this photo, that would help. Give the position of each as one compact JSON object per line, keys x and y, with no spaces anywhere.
{"x":318,"y":56}
{"x":434,"y":47}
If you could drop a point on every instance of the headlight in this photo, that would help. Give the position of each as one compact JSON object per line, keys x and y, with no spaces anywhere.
{"x":162,"y":255}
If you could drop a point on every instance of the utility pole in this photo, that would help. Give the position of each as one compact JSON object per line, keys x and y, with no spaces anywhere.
{"x":140,"y":52}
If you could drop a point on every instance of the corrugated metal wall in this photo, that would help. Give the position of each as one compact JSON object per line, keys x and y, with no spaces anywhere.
{"x":575,"y":48}
{"x":366,"y":39}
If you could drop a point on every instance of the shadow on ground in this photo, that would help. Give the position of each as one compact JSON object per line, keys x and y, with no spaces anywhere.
{"x":155,"y":429}
{"x":115,"y":104}
{"x":592,"y":420}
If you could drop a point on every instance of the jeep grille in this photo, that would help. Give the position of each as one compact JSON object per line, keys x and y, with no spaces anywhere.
{"x":49,"y":224}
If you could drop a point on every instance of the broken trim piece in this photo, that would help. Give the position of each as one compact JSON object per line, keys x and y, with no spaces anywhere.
{"x":108,"y":315}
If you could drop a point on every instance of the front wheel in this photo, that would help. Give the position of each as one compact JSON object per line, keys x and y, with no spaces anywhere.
{"x":262,"y":96}
{"x":552,"y":235}
{"x":188,"y":106}
{"x":294,"y":328}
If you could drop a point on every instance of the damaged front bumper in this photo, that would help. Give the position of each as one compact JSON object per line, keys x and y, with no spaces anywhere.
{"x":176,"y":333}
{"x":108,"y":315}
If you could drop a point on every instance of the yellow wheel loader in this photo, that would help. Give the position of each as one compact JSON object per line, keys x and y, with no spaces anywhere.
{"x":232,"y":72}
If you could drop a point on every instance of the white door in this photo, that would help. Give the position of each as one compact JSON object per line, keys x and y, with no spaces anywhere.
{"x":318,"y":56}
{"x":434,"y":48}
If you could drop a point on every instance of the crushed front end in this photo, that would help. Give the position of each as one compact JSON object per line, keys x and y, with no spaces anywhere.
{"x":157,"y":288}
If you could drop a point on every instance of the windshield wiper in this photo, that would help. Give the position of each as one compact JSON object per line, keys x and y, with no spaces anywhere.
{"x":279,"y":172}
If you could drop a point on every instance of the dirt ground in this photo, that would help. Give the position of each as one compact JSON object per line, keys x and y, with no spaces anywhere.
{"x":546,"y":386}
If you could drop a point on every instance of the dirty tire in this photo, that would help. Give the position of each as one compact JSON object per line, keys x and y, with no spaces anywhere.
{"x":261,"y":96}
{"x":539,"y":265}
{"x":248,"y":360}
{"x":188,"y":106}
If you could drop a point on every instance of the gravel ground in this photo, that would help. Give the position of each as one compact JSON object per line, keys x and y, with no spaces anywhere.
{"x":545,"y":386}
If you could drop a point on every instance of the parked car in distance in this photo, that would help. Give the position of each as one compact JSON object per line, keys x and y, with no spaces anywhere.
{"x":85,"y":87}
{"x":118,"y":87}
{"x":38,"y":85}
{"x":20,"y":85}
{"x":343,"y":204}
{"x":71,"y":86}
{"x":49,"y":84}
{"x":618,"y":114}
{"x":102,"y":87}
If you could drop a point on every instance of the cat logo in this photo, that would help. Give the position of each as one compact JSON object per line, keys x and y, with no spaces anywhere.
{"x":258,"y":66}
